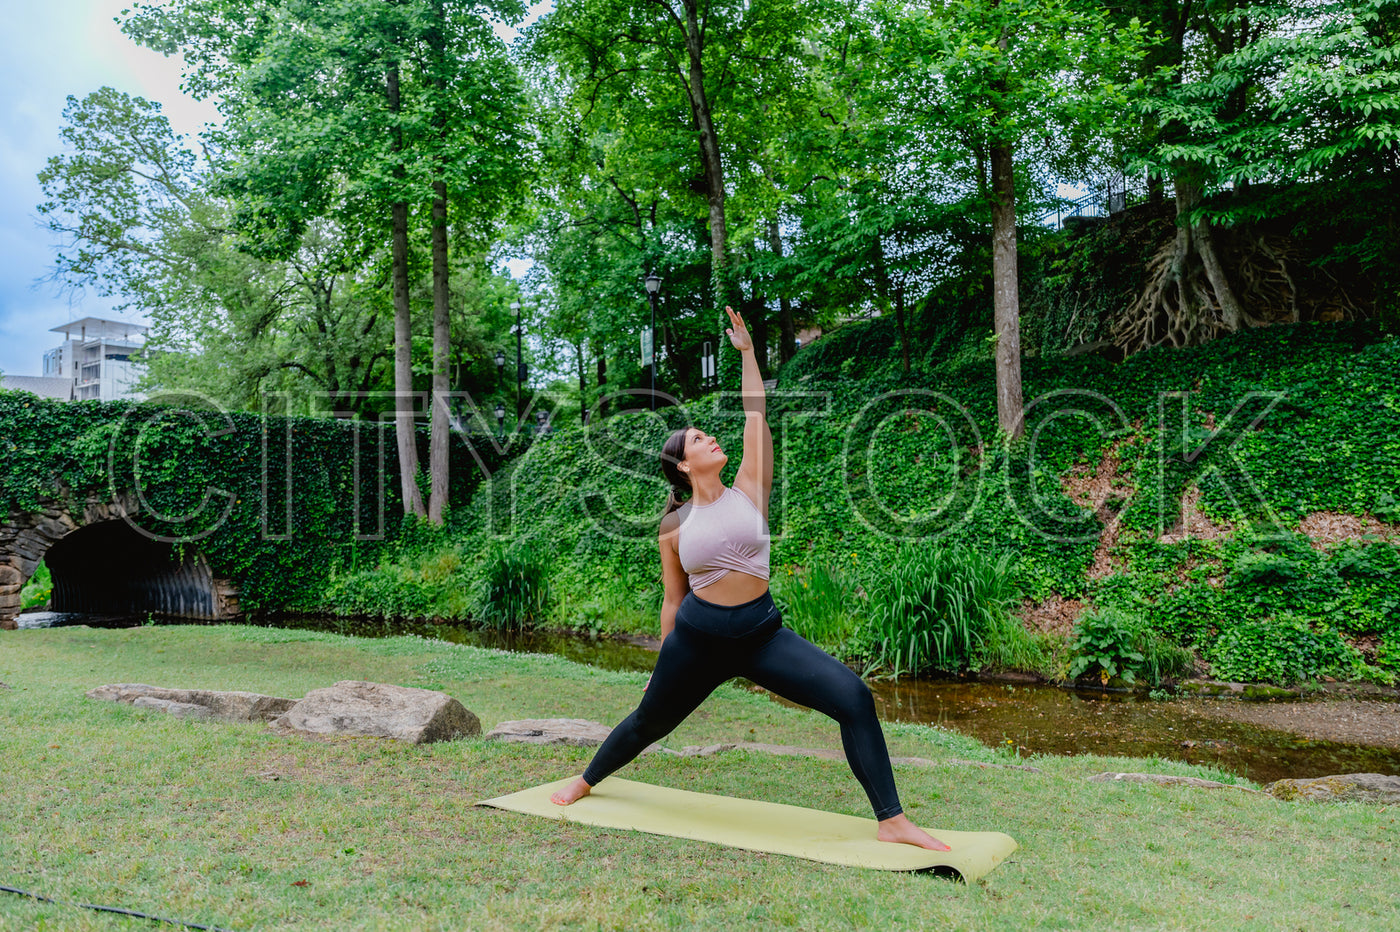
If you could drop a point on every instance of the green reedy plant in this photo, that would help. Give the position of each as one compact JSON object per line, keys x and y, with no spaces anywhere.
{"x":935,"y":608}
{"x":819,"y":602}
{"x":515,"y":591}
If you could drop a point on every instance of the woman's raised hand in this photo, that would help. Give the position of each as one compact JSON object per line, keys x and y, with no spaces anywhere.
{"x":738,"y":333}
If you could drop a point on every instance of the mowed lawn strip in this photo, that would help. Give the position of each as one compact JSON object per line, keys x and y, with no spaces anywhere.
{"x":230,"y":825}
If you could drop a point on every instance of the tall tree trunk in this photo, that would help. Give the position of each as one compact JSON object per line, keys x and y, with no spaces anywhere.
{"x":1187,"y":198}
{"x":404,"y":426}
{"x":438,"y":478}
{"x":582,"y":385}
{"x":722,"y":288}
{"x":1006,"y":299}
{"x":602,"y":385}
{"x":438,"y":435}
{"x":758,"y":326}
{"x":787,"y":330}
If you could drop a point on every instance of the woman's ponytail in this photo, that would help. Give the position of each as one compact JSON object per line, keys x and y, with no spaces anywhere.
{"x":672,"y":454}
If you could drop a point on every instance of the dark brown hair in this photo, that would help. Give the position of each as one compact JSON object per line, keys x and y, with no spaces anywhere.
{"x":672,"y":455}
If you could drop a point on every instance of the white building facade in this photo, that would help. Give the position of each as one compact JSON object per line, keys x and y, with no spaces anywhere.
{"x":97,"y":357}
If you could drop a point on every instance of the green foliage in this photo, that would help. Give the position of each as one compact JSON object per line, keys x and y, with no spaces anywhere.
{"x":1111,"y":643}
{"x":1104,"y":643}
{"x":515,"y":591}
{"x":275,"y":504}
{"x":37,"y":590}
{"x":819,"y":602}
{"x":936,"y":608}
{"x":1290,"y":113}
{"x":1283,"y":650}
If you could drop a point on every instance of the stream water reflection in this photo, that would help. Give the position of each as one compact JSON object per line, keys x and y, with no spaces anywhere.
{"x":1035,"y":719}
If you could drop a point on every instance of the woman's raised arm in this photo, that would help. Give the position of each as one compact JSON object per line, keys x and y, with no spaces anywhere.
{"x":755,"y":476}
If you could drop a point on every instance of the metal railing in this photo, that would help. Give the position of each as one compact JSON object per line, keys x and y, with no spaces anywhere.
{"x":1115,"y":195}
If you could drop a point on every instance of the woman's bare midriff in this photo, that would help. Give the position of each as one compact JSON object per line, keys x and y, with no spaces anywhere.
{"x":733,"y":588}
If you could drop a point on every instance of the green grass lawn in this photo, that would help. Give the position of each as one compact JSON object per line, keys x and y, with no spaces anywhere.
{"x":233,"y":826}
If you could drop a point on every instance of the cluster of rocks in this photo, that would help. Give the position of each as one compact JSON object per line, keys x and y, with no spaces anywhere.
{"x":421,"y":716}
{"x":349,"y":708}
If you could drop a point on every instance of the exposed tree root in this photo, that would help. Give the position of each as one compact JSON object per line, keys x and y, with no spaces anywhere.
{"x":1180,"y":306}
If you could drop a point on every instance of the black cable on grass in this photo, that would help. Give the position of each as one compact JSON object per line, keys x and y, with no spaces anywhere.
{"x":112,"y":909}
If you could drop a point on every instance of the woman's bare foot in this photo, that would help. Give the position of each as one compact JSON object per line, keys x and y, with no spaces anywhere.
{"x":901,"y":831}
{"x":572,"y":793}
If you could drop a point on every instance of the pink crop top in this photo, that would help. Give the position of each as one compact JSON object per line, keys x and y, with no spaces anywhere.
{"x":729,"y":533}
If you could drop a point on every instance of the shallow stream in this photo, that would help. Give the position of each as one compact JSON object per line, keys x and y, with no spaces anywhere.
{"x":1034,"y":719}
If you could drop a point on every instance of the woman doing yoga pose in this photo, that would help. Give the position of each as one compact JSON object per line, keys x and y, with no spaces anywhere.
{"x":718,"y":620}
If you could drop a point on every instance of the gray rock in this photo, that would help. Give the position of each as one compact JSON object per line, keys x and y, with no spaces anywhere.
{"x":1347,"y":787}
{"x":228,"y":706}
{"x":379,"y":710}
{"x":177,"y":709}
{"x":1162,"y":779}
{"x":573,"y":732}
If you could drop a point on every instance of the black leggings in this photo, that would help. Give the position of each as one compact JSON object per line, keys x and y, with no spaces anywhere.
{"x":713,"y":643}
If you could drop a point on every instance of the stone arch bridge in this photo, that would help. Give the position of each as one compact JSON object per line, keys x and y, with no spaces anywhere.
{"x":101,"y":564}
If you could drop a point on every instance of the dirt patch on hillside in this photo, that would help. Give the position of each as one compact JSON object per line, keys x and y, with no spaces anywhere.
{"x":1331,"y":527}
{"x":1104,"y":491}
{"x":1056,"y":615}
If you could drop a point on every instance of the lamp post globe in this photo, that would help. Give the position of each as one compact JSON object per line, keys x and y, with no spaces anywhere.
{"x":500,"y":417}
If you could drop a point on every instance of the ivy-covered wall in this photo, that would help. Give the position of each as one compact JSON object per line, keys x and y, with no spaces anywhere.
{"x":274,"y":504}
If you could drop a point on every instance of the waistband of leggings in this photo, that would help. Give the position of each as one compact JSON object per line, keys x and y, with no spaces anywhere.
{"x":767,"y":594}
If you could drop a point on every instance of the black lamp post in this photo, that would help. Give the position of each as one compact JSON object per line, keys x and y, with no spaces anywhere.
{"x":500,"y":418}
{"x":500,"y":363}
{"x":653,"y":283}
{"x":519,"y":365}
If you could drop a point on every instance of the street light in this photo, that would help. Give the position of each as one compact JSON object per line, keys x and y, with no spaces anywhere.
{"x":500,"y":418}
{"x":519,"y":366}
{"x":541,"y":422}
{"x":500,"y":363}
{"x":653,"y":283}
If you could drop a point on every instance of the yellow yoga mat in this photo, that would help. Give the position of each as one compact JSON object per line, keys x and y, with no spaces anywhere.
{"x":759,"y":826}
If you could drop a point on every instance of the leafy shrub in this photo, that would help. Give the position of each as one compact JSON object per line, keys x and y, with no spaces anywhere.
{"x":1282,"y":650}
{"x":38,"y":590}
{"x":1112,"y":643}
{"x":937,"y":608}
{"x":1388,"y":655}
{"x":1105,"y":642}
{"x":515,"y":590}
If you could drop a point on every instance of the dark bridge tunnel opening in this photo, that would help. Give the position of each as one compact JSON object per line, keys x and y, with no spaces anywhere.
{"x":112,"y":569}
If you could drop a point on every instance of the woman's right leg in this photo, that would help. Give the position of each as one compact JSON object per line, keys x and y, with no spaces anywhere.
{"x":685,"y":674}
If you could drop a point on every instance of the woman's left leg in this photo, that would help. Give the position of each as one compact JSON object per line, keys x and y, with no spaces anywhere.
{"x":801,"y":672}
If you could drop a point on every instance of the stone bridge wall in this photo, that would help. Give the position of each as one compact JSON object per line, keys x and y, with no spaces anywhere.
{"x":106,"y":569}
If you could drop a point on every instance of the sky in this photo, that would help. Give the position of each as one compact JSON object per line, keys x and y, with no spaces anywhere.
{"x":48,"y":51}
{"x":52,"y":50}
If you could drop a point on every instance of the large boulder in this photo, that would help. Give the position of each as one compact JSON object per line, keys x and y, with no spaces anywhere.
{"x":228,"y":706}
{"x":379,"y":710}
{"x":1347,"y":787}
